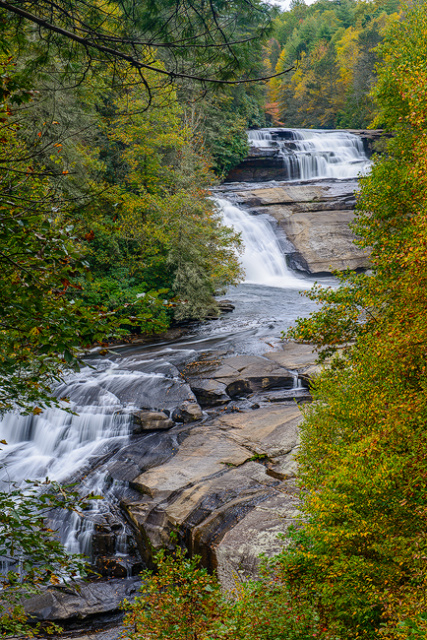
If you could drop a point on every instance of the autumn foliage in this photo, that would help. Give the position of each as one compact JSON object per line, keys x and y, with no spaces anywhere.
{"x":363,"y":458}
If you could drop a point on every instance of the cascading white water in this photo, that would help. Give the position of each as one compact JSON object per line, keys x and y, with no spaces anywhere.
{"x":309,"y":154}
{"x":262,"y":259}
{"x":60,"y":445}
{"x":66,"y":446}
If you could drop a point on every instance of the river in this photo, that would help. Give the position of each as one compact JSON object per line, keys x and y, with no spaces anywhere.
{"x":106,"y":393}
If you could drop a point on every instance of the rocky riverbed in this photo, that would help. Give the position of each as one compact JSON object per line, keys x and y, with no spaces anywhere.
{"x":223,"y":476}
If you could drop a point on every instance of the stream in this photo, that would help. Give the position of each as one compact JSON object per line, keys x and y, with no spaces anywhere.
{"x":105,"y":394}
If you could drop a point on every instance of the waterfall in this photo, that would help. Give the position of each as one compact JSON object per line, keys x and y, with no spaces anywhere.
{"x":309,"y":154}
{"x":262,"y":259}
{"x":71,"y":445}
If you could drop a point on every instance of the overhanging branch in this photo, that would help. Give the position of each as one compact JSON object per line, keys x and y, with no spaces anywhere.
{"x":122,"y":55}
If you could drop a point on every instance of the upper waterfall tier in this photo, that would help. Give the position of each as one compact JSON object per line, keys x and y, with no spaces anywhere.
{"x":302,"y":154}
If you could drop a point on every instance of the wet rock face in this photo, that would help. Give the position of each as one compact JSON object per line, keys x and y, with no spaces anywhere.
{"x":315,"y":219}
{"x":64,"y":603}
{"x":224,"y":479}
{"x":266,"y":163}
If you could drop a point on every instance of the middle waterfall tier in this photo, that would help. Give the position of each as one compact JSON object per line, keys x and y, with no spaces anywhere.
{"x":262,"y":258}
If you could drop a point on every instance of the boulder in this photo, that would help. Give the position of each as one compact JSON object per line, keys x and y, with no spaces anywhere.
{"x":293,"y":356}
{"x":284,"y":467}
{"x":298,"y":394}
{"x":86,"y":599}
{"x":225,"y":306}
{"x":210,"y":393}
{"x":150,"y":421}
{"x":187,"y":412}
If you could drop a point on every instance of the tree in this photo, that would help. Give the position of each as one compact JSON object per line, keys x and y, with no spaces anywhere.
{"x":53,"y":306}
{"x":207,"y":42}
{"x":331,"y":48}
{"x":32,"y":556}
{"x":180,"y":602}
{"x":363,"y":454}
{"x":42,"y":328}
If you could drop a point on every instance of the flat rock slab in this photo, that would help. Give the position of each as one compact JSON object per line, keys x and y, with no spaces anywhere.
{"x":219,"y":473}
{"x":296,"y":357}
{"x":203,"y":453}
{"x":283,"y":194}
{"x":269,"y":431}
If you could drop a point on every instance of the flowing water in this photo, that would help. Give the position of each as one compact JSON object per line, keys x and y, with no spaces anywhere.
{"x":309,"y":154}
{"x":68,"y":446}
{"x":262,"y":259}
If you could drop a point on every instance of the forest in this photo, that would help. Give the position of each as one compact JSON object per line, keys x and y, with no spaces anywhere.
{"x":117,"y":117}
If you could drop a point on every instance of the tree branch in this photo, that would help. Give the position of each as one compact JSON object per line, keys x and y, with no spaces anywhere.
{"x":117,"y":54}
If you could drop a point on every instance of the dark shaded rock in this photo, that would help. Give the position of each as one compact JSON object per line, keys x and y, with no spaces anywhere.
{"x":239,"y":389}
{"x":210,"y":393}
{"x":103,"y":544}
{"x":187,"y":412}
{"x":145,"y":452}
{"x":155,"y":392}
{"x":117,"y":566}
{"x":89,"y":599}
{"x":225,"y":306}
